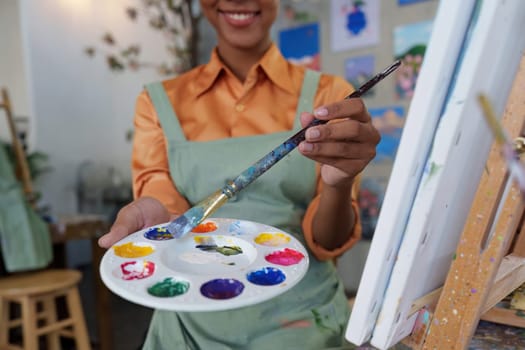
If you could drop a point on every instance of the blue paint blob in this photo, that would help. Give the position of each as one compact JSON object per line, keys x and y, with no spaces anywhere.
{"x":222,"y":288}
{"x":158,"y":234}
{"x":266,"y":276}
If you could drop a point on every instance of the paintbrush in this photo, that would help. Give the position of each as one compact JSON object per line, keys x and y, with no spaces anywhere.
{"x":200,"y":211}
{"x":516,"y":168}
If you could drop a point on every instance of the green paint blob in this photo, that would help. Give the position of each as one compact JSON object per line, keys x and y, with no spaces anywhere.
{"x":168,"y":288}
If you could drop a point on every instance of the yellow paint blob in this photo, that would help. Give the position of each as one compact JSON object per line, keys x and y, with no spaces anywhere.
{"x":272,"y":239}
{"x":131,"y":250}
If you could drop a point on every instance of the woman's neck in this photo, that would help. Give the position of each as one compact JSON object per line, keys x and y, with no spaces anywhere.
{"x":240,"y":60}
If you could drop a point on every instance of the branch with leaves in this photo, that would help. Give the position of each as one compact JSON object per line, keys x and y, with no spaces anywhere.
{"x":177,"y":20}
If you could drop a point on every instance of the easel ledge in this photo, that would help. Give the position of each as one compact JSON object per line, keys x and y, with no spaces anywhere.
{"x":490,"y":257}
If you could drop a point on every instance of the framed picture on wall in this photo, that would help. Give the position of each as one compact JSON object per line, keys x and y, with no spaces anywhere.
{"x":359,"y":70}
{"x":300,"y":45}
{"x":389,"y":122}
{"x":354,"y":24}
{"x":410,"y":44}
{"x":408,"y":2}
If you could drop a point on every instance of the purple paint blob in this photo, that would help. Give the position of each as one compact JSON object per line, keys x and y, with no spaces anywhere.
{"x":222,"y":288}
{"x":266,"y":276}
{"x":158,"y":234}
{"x":285,"y":257}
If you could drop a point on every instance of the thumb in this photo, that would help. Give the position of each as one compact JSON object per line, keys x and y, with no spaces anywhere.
{"x":129,"y":219}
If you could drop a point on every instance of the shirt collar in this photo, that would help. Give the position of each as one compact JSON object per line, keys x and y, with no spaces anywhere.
{"x":276,"y":68}
{"x":272,"y":63}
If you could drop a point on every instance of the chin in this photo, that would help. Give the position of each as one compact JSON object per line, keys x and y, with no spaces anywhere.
{"x":246,"y":41}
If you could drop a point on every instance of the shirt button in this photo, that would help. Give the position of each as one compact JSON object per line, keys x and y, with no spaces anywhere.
{"x":239,"y":108}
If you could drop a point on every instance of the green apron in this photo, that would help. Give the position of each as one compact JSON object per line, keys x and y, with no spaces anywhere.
{"x":313,"y":314}
{"x":25,"y":242}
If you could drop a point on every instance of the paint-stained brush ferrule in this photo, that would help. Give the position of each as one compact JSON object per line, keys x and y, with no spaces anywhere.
{"x":213,"y":202}
{"x":230,"y":189}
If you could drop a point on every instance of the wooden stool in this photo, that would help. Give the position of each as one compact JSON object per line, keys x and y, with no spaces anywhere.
{"x":36,"y":293}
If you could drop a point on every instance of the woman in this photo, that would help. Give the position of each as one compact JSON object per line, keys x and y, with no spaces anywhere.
{"x":197,"y":131}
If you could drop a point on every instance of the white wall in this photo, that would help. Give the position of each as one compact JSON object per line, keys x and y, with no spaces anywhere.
{"x":12,"y":72}
{"x":81,"y":109}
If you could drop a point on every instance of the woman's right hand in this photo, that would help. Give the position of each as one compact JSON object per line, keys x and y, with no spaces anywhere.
{"x":141,"y":213}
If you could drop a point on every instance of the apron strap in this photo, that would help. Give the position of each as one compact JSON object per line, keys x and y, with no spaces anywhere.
{"x":306,"y":100}
{"x":167,"y":117}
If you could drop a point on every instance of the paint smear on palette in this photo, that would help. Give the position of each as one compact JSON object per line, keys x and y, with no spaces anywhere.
{"x":204,"y":240}
{"x":207,"y":244}
{"x":222,"y":288}
{"x":272,"y":239}
{"x":285,"y":257}
{"x":199,"y":258}
{"x":235,"y":228}
{"x":168,"y":288}
{"x":205,"y":227}
{"x":158,"y":234}
{"x":133,"y":270}
{"x":266,"y":276}
{"x":133,"y":250}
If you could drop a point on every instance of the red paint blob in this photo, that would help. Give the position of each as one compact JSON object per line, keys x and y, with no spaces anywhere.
{"x":285,"y":257}
{"x":206,"y":227}
{"x":134,"y":270}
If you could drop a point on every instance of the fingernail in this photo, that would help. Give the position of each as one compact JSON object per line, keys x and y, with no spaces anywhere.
{"x":321,"y":112}
{"x":307,"y":147}
{"x":102,"y":241}
{"x":312,"y":134}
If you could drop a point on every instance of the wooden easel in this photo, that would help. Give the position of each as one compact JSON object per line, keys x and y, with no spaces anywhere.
{"x":21,"y":161}
{"x":490,"y":258}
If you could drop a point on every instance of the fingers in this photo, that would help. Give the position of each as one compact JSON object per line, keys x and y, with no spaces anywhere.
{"x":346,"y":144}
{"x":143,"y":212}
{"x":353,"y":108}
{"x":326,"y":151}
{"x":343,"y":131}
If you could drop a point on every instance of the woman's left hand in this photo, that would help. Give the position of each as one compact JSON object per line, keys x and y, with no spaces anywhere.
{"x":343,"y":146}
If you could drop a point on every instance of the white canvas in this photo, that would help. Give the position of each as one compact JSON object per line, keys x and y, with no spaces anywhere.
{"x":443,"y":49}
{"x":454,"y":166}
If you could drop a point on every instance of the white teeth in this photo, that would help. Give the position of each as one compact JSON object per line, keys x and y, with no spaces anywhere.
{"x":240,"y":16}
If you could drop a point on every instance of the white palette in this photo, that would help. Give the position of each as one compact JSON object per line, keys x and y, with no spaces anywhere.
{"x":254,"y":263}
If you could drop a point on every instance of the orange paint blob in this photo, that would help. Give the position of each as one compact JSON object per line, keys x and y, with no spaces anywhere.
{"x":205,"y":227}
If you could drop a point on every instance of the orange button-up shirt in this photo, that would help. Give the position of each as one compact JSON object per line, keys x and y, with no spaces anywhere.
{"x":264,"y":103}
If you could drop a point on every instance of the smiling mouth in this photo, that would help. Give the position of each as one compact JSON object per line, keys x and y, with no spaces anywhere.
{"x":239,"y":18}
